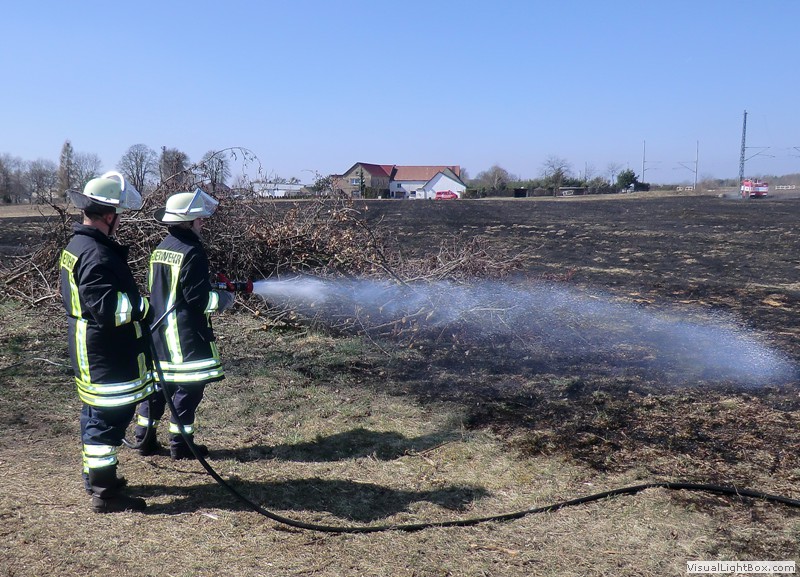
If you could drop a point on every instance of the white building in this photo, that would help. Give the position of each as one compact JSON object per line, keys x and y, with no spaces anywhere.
{"x":425,"y":181}
{"x":279,"y":189}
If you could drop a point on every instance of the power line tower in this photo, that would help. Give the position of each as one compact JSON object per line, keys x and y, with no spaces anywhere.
{"x":744,"y":147}
{"x":742,"y":158}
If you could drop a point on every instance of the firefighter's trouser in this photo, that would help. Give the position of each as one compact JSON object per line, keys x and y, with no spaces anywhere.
{"x":102,"y":431}
{"x":186,"y":399}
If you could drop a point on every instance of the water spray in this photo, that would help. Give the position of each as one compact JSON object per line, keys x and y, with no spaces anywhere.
{"x":538,"y":319}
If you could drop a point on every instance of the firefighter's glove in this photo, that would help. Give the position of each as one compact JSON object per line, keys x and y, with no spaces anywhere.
{"x":225,"y":300}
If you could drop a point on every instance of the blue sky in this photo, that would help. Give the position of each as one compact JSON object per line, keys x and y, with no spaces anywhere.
{"x":313,"y":86}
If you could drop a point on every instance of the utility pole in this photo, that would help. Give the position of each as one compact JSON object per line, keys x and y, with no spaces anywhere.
{"x":742,"y":158}
{"x":696,"y":159}
{"x":744,"y":147}
{"x":644,"y":155}
{"x":644,"y":161}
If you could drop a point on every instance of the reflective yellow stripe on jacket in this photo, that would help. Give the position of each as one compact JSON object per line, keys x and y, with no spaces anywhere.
{"x":193,"y":371}
{"x":173,"y":261}
{"x":213,"y":302}
{"x":117,"y":394}
{"x":82,"y":351}
{"x":68,"y":261}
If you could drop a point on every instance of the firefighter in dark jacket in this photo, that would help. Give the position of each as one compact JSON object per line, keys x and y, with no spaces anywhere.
{"x":179,"y":281}
{"x":105,"y":312}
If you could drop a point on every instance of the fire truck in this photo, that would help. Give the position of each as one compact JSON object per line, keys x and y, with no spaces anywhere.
{"x":754,"y":189}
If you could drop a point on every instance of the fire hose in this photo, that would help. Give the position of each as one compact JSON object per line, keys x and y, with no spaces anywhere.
{"x":732,"y":491}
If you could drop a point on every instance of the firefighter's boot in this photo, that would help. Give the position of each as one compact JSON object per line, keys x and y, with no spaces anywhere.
{"x":120,"y":483}
{"x":146,"y":441}
{"x":179,"y":450}
{"x":106,"y":495}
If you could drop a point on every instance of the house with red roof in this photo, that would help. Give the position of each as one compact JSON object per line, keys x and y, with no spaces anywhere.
{"x":364,"y":180}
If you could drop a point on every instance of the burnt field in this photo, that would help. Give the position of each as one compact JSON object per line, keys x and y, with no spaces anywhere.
{"x":720,"y":276}
{"x":734,"y":255}
{"x":639,"y":339}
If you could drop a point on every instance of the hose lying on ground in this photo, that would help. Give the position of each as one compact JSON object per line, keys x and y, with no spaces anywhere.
{"x":631,"y":490}
{"x":702,"y":487}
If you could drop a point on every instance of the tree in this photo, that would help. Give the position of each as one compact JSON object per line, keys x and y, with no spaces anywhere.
{"x":66,"y":167}
{"x":612,"y":169}
{"x":627,"y":179}
{"x":323,"y":184}
{"x":5,"y":182}
{"x":86,"y":167}
{"x":215,"y":169}
{"x":555,"y":170}
{"x":138,"y":165}
{"x":42,"y":180}
{"x":12,"y":180}
{"x":496,"y":178}
{"x":599,"y":185}
{"x":173,"y":166}
{"x":589,"y":173}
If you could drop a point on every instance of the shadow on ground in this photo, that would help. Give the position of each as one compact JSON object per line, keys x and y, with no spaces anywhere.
{"x":347,"y":500}
{"x":353,"y":444}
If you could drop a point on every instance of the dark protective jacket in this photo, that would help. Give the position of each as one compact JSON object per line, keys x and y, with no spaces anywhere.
{"x":179,"y":278}
{"x":110,"y":356}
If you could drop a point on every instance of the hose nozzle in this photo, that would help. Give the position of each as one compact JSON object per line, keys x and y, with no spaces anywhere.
{"x":223,"y":283}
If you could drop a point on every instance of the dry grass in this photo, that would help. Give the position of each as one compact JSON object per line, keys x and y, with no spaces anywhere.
{"x":339,"y":449}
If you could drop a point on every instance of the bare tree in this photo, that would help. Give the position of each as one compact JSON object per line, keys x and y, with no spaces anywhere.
{"x":42,"y":180}
{"x":612,"y":170}
{"x":214,"y":169}
{"x":138,"y":165}
{"x":12,"y":180}
{"x":554,"y":170}
{"x":589,"y":172}
{"x":66,"y":167}
{"x":323,"y":185}
{"x":172,"y":167}
{"x":496,"y":178}
{"x":86,"y":167}
{"x":242,"y":182}
{"x":5,"y":181}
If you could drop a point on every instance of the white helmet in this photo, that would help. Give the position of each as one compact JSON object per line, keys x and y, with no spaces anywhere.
{"x":187,"y":206}
{"x":110,"y":190}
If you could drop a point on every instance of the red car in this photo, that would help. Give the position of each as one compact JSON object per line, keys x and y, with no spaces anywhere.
{"x":446,"y":195}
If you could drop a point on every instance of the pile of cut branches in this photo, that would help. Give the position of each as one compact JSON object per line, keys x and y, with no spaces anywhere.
{"x":252,"y":237}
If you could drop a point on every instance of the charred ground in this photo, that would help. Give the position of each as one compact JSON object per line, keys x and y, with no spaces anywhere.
{"x":698,"y":253}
